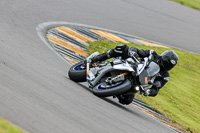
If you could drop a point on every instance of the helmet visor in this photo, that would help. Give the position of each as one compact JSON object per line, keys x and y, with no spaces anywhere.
{"x":168,"y":64}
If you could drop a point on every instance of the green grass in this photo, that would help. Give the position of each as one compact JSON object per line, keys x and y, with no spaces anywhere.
{"x":179,"y":99}
{"x":190,"y":3}
{"x":7,"y":127}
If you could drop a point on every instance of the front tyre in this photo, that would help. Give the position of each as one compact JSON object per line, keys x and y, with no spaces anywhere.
{"x":77,"y":72}
{"x":104,"y":89}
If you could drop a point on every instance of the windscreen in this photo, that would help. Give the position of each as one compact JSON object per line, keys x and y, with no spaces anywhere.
{"x":153,"y":69}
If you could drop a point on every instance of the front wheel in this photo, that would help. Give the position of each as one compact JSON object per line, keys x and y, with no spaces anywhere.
{"x":77,"y":72}
{"x":104,"y":89}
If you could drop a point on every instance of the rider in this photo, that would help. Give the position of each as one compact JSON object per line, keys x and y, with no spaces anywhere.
{"x":167,"y":60}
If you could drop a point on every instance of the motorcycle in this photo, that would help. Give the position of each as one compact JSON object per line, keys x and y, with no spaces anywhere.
{"x":118,"y":78}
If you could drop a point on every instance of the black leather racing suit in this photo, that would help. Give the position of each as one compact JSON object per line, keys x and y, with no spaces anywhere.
{"x":160,"y":80}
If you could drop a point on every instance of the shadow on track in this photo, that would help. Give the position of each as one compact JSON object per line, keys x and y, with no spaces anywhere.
{"x":123,"y":107}
{"x":86,"y":88}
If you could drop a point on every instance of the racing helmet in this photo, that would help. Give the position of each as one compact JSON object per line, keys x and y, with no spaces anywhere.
{"x":169,"y":59}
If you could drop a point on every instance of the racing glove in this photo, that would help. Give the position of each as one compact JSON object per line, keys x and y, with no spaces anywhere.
{"x":132,"y":54}
{"x":153,"y":90}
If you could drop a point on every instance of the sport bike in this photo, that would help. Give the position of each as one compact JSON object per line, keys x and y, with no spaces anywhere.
{"x":117,"y":77}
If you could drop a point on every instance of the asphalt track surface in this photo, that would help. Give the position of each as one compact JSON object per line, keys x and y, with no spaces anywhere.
{"x":35,"y":92}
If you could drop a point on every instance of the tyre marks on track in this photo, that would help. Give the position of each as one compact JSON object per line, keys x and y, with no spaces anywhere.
{"x":71,"y":40}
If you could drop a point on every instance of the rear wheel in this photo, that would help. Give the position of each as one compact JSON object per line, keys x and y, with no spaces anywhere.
{"x":77,"y":72}
{"x":104,"y":89}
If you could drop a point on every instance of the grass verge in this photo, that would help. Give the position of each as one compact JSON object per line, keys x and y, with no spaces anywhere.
{"x":7,"y":127}
{"x":190,"y":3}
{"x":179,"y":98}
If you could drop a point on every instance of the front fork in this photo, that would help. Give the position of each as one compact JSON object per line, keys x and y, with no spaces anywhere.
{"x":88,"y":70}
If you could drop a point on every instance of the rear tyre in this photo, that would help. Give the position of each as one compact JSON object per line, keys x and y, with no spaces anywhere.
{"x":77,"y":73}
{"x":105,"y":90}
